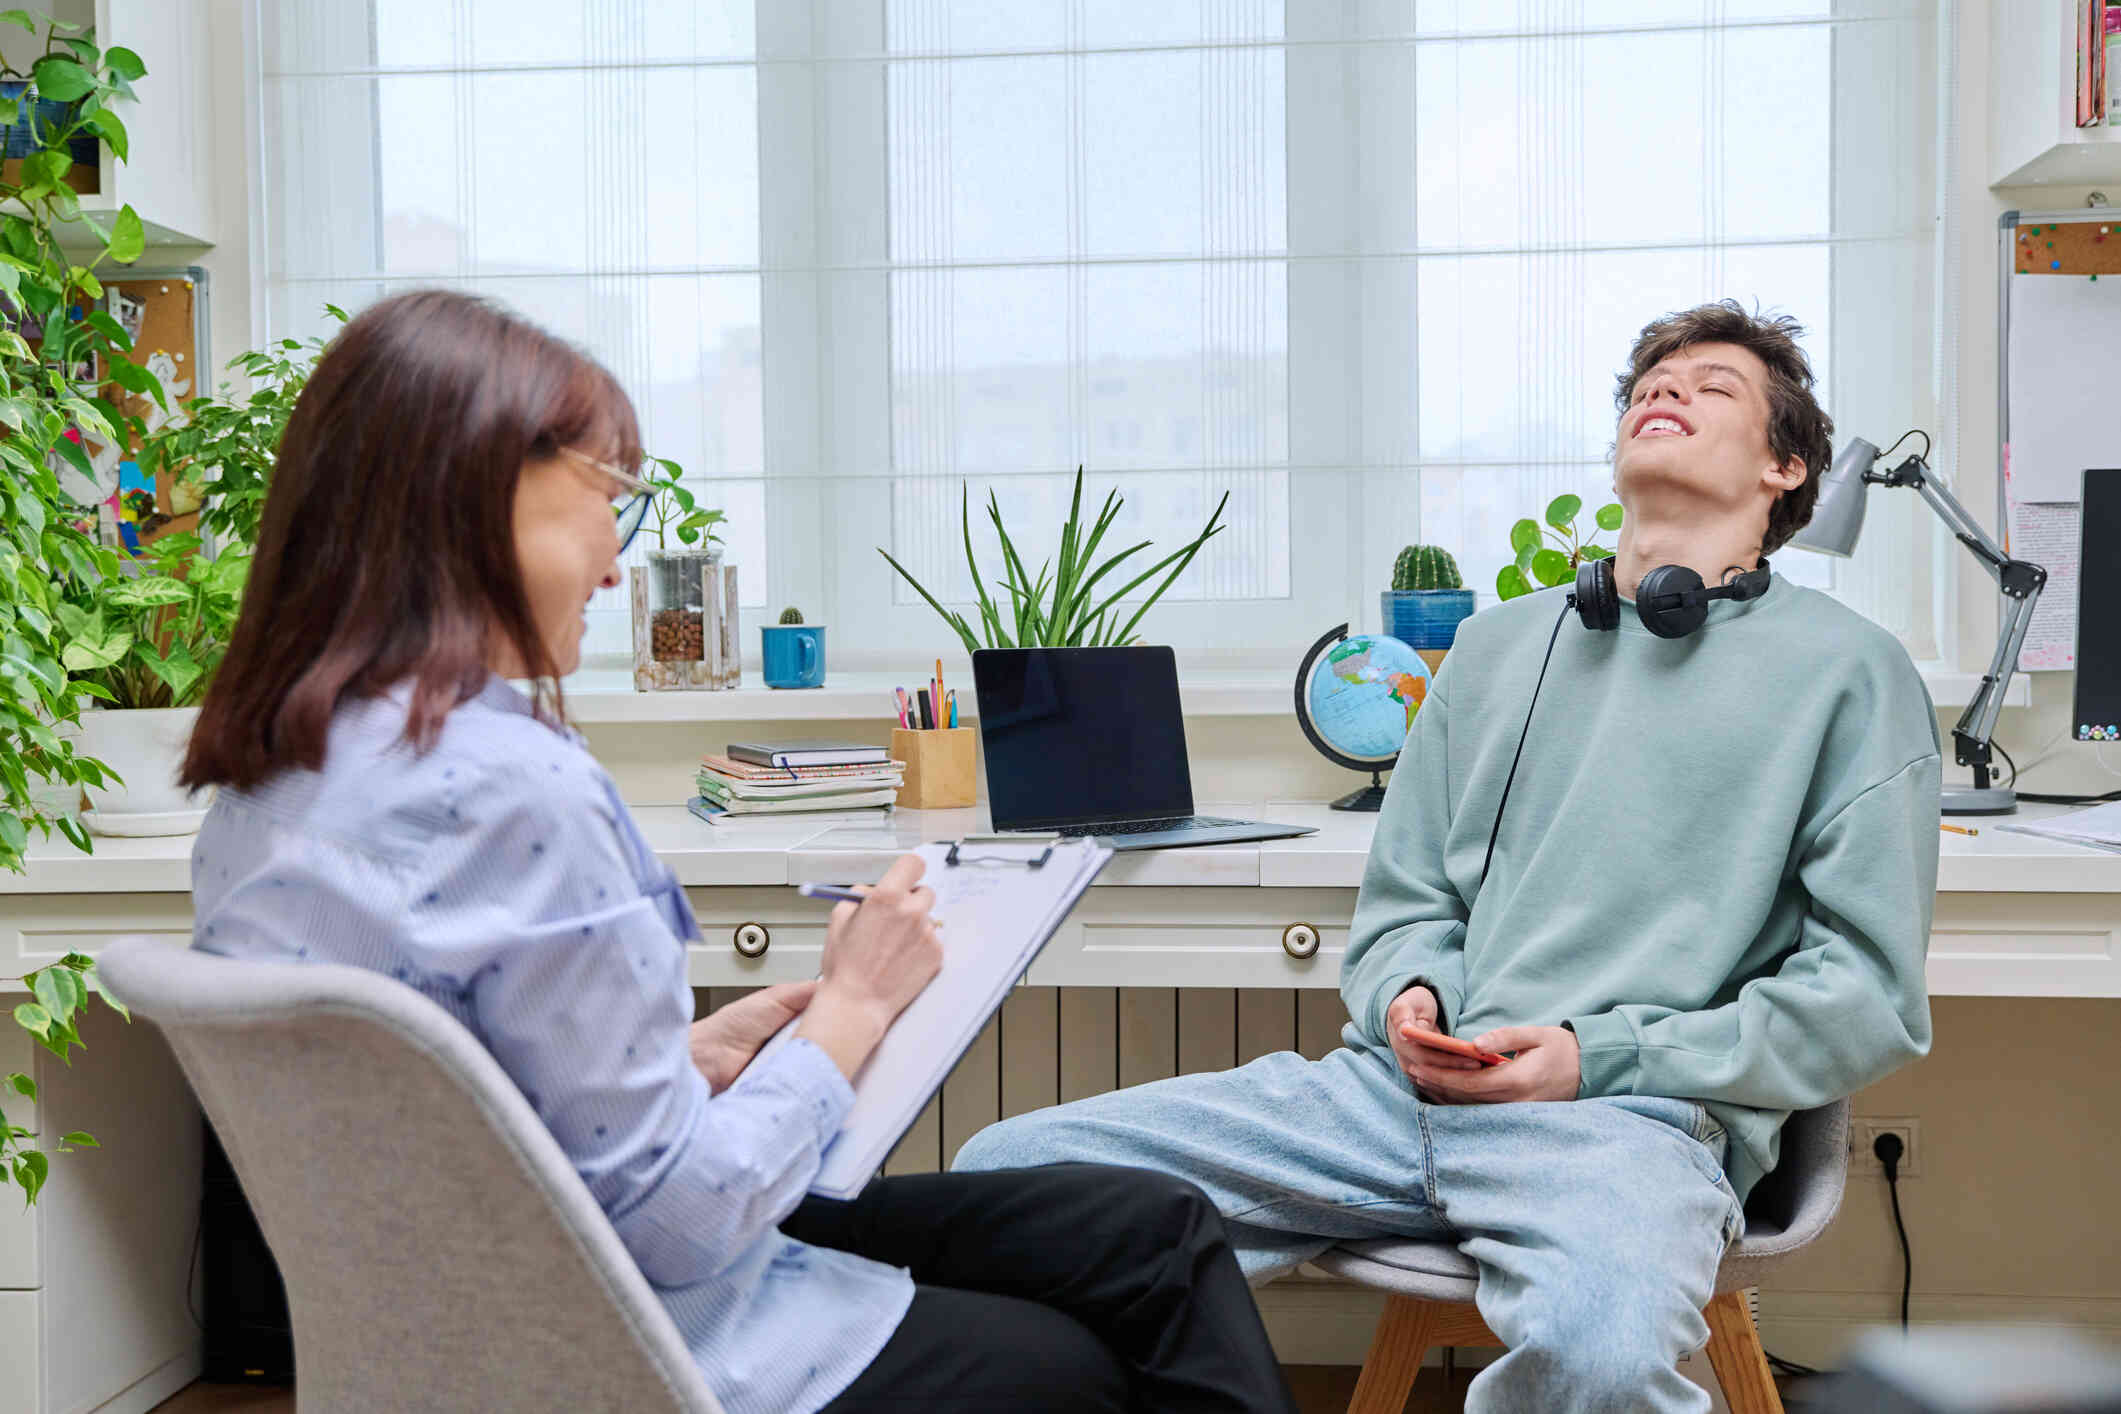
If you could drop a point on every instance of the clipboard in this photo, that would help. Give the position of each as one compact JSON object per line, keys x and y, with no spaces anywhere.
{"x":1000,"y":900}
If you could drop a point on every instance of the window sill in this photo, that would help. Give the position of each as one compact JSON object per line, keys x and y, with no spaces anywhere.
{"x":604,"y":696}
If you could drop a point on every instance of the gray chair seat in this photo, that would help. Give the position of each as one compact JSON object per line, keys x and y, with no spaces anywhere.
{"x":1786,"y":1210}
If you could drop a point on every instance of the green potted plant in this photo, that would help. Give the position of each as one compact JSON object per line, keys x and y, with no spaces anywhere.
{"x":684,"y":599}
{"x":151,"y":637}
{"x":53,"y":342}
{"x":1553,"y":564}
{"x":50,"y":332}
{"x":1061,"y":608}
{"x":1426,"y":602}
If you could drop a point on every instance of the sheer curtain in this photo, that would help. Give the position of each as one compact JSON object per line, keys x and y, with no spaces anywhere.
{"x":1366,"y":268}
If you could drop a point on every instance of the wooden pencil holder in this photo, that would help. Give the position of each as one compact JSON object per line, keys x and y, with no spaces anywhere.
{"x":942,"y":767}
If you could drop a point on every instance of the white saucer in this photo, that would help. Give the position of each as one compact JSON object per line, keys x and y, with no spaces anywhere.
{"x":169,"y":822}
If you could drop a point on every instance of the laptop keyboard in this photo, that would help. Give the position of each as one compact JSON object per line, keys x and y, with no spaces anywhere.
{"x":1149,"y":827}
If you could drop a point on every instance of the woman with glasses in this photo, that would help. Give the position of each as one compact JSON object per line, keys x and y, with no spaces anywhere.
{"x":453,"y":488}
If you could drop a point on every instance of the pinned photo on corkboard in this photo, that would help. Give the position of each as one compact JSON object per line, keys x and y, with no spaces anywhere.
{"x":165,"y":314}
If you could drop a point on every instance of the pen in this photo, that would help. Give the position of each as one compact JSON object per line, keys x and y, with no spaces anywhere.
{"x":899,"y":697}
{"x":1957,"y":829}
{"x":953,"y":707}
{"x":830,"y":893}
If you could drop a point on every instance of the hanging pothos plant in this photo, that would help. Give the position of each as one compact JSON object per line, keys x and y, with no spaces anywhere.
{"x":58,"y":349}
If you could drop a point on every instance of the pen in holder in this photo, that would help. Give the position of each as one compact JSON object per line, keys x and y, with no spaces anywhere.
{"x":942,"y":767}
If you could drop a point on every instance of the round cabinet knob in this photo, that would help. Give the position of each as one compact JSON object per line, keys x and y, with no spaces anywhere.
{"x":1300,"y":941}
{"x":752,"y":940}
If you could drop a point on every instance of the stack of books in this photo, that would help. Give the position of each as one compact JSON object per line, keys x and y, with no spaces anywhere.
{"x":816,"y":782}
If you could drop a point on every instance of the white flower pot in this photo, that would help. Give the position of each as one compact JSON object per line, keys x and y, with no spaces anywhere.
{"x":57,"y":797}
{"x":145,"y":746}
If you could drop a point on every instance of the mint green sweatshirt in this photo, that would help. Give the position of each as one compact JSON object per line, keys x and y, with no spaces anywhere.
{"x":1717,"y":864}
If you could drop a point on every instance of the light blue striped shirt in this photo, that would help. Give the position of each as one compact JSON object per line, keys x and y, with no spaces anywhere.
{"x":502,"y":877}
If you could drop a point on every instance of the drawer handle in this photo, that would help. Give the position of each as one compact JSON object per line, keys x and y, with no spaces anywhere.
{"x":1300,"y":941}
{"x":752,"y":940}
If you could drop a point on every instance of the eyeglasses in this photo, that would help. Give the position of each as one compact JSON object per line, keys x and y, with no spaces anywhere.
{"x":639,"y":492}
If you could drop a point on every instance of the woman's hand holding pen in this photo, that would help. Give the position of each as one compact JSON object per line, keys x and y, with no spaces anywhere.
{"x":878,"y":957}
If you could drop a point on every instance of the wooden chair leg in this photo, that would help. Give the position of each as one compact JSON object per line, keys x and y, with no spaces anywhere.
{"x":1736,"y":1356}
{"x":1404,"y":1334}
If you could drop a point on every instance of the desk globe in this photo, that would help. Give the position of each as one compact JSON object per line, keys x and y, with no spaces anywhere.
{"x":1356,"y":697}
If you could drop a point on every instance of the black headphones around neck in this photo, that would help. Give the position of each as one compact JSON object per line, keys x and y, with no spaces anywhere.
{"x":1671,"y":601}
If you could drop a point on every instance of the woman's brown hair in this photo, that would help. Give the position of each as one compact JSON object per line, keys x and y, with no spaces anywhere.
{"x":386,"y":550}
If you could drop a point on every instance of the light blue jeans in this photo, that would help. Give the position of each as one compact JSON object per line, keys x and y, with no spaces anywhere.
{"x":1597,"y":1225}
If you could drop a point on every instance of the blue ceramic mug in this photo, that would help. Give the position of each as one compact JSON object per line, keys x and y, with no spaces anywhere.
{"x":793,"y":655}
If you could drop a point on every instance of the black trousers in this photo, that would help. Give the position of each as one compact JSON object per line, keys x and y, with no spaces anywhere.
{"x":1071,"y":1287}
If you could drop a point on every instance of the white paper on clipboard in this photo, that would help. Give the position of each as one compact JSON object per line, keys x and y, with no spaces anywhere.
{"x":996,"y":914}
{"x":2050,"y":534}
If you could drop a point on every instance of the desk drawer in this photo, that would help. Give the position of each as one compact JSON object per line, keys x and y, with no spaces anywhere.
{"x":784,"y":933}
{"x":1201,"y":938}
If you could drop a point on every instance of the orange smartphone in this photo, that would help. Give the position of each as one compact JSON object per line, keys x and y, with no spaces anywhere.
{"x":1456,"y":1046}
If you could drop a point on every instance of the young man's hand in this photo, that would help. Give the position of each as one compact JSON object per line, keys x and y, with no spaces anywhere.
{"x":1546,"y":1066}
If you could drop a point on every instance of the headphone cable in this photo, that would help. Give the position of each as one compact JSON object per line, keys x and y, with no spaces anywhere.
{"x":1509,"y":780}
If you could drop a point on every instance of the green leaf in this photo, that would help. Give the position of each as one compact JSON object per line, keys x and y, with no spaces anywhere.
{"x":127,"y":237}
{"x":1550,"y":567}
{"x":1610,"y":516}
{"x":150,"y":592}
{"x":47,"y":167}
{"x":1524,"y":558}
{"x":1511,"y":583}
{"x":1562,"y":509}
{"x":24,"y":1086}
{"x":124,"y":63}
{"x":30,"y":1171}
{"x":29,"y":1016}
{"x":60,"y":991}
{"x":81,"y":1137}
{"x":62,"y":80}
{"x":110,"y":329}
{"x":1597,"y":552}
{"x":1524,"y":534}
{"x":18,"y":17}
{"x":85,"y":655}
{"x":14,"y":836}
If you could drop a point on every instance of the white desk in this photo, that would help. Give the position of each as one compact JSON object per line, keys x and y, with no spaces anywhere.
{"x":1173,"y":963}
{"x":2016,"y":915}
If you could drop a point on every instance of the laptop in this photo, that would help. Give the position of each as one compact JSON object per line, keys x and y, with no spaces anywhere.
{"x":1091,"y":741}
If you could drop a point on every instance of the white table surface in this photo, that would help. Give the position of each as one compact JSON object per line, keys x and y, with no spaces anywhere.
{"x":789,"y":851}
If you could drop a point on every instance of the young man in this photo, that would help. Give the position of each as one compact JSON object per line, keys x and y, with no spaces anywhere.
{"x":1707,"y":906}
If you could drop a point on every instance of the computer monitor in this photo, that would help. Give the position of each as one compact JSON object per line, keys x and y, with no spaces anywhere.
{"x":2098,"y":711}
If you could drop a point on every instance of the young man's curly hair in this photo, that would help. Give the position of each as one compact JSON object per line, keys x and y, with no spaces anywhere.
{"x":1797,"y":426}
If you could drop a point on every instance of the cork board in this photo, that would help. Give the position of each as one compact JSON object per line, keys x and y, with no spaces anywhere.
{"x":161,"y":314}
{"x":2081,"y":248}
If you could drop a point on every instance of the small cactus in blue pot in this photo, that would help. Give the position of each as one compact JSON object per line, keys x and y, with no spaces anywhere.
{"x":1427,"y":599}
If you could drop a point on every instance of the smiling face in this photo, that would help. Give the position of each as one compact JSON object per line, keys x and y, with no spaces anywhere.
{"x":567,"y":546}
{"x":1695,"y":433}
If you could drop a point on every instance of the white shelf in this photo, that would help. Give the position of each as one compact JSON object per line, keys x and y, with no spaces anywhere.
{"x":604,"y":696}
{"x":2034,"y":139}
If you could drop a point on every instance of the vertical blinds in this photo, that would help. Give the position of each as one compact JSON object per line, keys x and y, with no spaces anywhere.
{"x":1369,"y":269}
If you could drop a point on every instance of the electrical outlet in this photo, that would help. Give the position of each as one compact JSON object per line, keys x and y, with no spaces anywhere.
{"x":1864,"y":1131}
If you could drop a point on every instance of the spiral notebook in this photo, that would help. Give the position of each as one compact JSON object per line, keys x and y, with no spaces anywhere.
{"x":999,"y":903}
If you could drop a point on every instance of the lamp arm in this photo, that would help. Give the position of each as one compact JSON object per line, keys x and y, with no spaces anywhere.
{"x":2021,"y":582}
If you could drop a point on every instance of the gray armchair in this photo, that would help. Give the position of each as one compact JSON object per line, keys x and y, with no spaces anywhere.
{"x":1432,"y":1283}
{"x":439,"y":1251}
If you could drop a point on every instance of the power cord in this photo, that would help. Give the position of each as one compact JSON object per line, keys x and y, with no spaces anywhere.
{"x":1889,"y":1150}
{"x":2049,"y":799}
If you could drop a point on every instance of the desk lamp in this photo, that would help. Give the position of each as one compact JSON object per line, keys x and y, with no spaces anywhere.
{"x":1837,"y":520}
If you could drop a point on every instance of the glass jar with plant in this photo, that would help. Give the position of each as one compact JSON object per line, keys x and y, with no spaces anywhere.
{"x":1556,"y":563}
{"x":1061,"y":608}
{"x":684,"y":605}
{"x":56,"y":349}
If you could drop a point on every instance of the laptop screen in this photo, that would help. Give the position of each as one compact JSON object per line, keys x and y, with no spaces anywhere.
{"x":1078,"y":735}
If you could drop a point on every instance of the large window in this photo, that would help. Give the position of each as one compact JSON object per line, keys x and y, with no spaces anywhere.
{"x":1366,"y":269}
